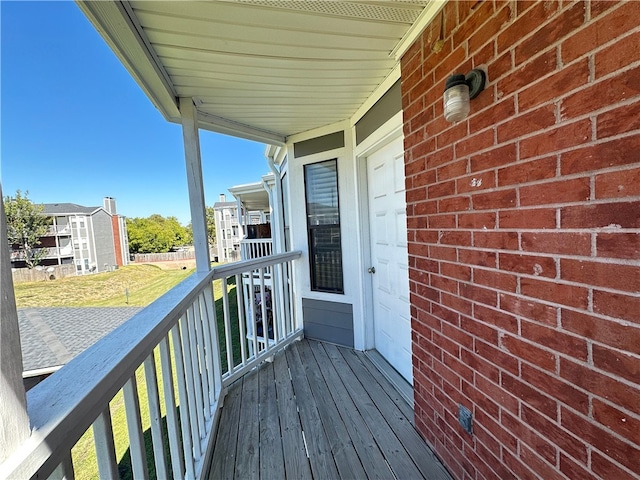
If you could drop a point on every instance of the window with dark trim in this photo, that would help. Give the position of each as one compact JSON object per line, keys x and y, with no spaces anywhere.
{"x":323,"y":226}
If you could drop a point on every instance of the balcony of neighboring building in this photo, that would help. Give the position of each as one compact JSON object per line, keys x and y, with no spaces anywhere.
{"x":52,"y":253}
{"x":59,"y":231}
{"x":56,"y":248}
{"x":255,"y":205}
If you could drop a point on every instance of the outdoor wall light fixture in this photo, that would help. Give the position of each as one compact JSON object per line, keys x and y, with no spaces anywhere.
{"x":458,"y":90}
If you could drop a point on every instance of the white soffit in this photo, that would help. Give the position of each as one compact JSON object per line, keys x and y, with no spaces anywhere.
{"x":260,"y":69}
{"x":252,"y":196}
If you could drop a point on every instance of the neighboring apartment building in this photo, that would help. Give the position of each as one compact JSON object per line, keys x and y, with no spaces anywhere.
{"x":94,"y":239}
{"x":229,"y":230}
{"x":228,"y":233}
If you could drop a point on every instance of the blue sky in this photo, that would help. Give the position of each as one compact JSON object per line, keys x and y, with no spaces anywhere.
{"x":75,"y":127}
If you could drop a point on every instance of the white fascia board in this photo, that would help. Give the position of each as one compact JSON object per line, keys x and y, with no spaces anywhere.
{"x":118,"y":26}
{"x":424,"y":19}
{"x":269,"y":179}
{"x":275,"y":153}
{"x":278,"y":154}
{"x":41,"y":371}
{"x":271,"y":151}
{"x":235,"y":129}
{"x":246,"y":188}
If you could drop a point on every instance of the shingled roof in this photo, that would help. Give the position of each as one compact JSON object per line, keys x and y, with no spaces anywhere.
{"x":67,"y":209}
{"x":52,"y":336}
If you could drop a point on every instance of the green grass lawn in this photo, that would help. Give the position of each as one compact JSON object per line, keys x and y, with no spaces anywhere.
{"x":145,"y":284}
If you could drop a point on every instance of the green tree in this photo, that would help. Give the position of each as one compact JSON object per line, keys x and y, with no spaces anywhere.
{"x":155,"y":234}
{"x":189,"y":234}
{"x":211,"y":225}
{"x":26,"y":224}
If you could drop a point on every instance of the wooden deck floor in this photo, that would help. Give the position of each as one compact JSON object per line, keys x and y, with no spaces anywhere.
{"x":319,"y":411}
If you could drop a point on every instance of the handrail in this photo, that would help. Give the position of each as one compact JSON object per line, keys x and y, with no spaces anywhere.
{"x":66,"y":404}
{"x":256,"y":248}
{"x":256,"y":240}
{"x":236,"y":268}
{"x":90,"y":380}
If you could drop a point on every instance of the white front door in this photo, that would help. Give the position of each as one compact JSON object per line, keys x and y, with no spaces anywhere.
{"x":388,"y":223}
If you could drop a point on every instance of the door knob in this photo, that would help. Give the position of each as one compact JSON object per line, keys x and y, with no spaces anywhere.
{"x":371,"y":270}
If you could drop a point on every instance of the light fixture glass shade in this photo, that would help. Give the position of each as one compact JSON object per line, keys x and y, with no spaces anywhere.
{"x":456,"y":102}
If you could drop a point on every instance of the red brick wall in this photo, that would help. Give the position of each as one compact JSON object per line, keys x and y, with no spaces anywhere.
{"x":524,"y":239}
{"x":117,"y":244}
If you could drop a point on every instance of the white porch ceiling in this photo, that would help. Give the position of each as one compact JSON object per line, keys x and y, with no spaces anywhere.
{"x":253,"y":201}
{"x":260,"y":69}
{"x":254,"y":196}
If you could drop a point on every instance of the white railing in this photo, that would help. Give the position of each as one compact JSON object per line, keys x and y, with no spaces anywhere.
{"x":58,"y":230}
{"x":256,"y":248}
{"x":50,"y":252}
{"x":200,"y":353}
{"x":55,"y":252}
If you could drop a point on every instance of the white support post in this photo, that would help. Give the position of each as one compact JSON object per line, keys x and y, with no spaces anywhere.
{"x":134,"y":426}
{"x":14,"y":421}
{"x":187,"y":418}
{"x":177,"y":461}
{"x":155,"y":417}
{"x":241,"y":221}
{"x":105,"y":445}
{"x":277,"y":222}
{"x":212,"y":326}
{"x":191,"y":137}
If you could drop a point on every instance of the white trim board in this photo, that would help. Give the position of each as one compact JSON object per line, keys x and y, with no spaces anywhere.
{"x":389,"y":131}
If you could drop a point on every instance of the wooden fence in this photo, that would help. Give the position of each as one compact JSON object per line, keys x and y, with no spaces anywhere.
{"x":46,"y":273}
{"x":168,"y":257}
{"x":163,"y":257}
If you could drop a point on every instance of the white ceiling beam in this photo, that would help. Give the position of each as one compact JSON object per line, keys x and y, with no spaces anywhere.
{"x":118,"y":27}
{"x":236,"y":129}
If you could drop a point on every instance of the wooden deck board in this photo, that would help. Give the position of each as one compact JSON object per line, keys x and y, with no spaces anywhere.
{"x":395,"y":395}
{"x":342,"y":448}
{"x":318,"y":448}
{"x":270,"y":443}
{"x":426,"y":462}
{"x":224,"y":451}
{"x":296,"y":463}
{"x":365,"y":445}
{"x":247,"y":451}
{"x":327,"y":401}
{"x":394,"y":453}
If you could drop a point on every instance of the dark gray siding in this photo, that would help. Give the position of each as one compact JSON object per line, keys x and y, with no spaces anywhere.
{"x":383,"y":110}
{"x":319,"y":144}
{"x":103,"y":236}
{"x":328,"y":321}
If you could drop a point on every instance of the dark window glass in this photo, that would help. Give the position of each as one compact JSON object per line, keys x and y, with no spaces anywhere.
{"x":323,"y":224}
